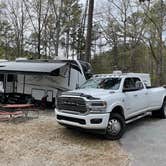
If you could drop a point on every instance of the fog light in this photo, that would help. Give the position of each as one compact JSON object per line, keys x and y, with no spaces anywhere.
{"x":96,"y":121}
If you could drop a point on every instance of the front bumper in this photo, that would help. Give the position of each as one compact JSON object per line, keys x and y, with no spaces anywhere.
{"x":90,"y":121}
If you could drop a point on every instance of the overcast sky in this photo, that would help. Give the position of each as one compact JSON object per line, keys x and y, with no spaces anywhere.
{"x":98,"y":3}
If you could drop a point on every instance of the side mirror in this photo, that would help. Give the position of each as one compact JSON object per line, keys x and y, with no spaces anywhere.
{"x":88,"y":74}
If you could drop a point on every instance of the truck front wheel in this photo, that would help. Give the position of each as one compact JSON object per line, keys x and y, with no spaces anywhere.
{"x":116,"y":127}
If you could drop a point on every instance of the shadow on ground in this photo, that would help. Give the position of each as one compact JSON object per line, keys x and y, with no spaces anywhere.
{"x":145,"y":140}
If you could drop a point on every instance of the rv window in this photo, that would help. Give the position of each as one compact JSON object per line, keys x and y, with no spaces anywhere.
{"x":1,"y":77}
{"x":10,"y":78}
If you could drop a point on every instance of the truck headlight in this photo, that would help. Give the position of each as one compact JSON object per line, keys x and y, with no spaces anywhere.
{"x":96,"y":106}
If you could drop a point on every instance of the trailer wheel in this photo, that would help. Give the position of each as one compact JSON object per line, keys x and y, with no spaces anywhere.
{"x":161,"y":113}
{"x":116,"y":127}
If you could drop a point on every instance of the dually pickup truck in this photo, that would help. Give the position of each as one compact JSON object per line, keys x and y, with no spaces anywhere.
{"x":107,"y":102}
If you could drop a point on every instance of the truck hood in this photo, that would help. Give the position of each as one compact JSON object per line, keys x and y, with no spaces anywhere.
{"x":94,"y":93}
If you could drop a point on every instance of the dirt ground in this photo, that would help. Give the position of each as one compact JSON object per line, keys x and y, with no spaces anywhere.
{"x":42,"y":142}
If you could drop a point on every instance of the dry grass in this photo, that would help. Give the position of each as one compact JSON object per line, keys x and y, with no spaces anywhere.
{"x":42,"y":142}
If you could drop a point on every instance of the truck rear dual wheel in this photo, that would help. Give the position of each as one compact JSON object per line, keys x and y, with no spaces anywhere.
{"x":161,"y":113}
{"x":116,"y":127}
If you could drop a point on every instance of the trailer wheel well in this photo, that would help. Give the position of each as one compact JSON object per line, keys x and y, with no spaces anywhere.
{"x":119,"y":110}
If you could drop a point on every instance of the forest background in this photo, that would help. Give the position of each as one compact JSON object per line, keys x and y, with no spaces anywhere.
{"x":127,"y":35}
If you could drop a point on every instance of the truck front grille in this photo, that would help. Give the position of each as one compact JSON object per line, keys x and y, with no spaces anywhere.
{"x":73,"y":104}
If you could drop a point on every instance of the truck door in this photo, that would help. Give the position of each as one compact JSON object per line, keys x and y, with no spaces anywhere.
{"x":135,"y":95}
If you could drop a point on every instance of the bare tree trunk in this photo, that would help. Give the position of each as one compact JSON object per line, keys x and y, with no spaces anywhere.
{"x":160,"y":46}
{"x":125,"y":33}
{"x":82,"y":31}
{"x":67,"y":42}
{"x":22,"y":29}
{"x":58,"y":27}
{"x":39,"y":31}
{"x":115,"y":50}
{"x":89,"y":32}
{"x":45,"y":40}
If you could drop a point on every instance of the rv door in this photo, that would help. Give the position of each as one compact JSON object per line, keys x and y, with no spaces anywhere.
{"x":9,"y":82}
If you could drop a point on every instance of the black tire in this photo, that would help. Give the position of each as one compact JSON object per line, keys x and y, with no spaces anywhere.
{"x":111,"y":132}
{"x":161,"y":113}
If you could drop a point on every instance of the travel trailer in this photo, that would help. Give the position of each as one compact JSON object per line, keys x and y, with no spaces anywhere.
{"x":41,"y":78}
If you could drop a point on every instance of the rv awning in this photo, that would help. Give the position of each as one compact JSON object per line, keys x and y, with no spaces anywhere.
{"x":33,"y":68}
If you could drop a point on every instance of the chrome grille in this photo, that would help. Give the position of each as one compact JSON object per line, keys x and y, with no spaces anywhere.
{"x":72,"y":104}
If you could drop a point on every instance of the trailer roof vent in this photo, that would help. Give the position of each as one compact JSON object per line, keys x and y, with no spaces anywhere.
{"x":3,"y":60}
{"x":21,"y":59}
{"x":117,"y":72}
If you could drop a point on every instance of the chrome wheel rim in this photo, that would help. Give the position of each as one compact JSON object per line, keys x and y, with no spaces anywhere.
{"x":114,"y":127}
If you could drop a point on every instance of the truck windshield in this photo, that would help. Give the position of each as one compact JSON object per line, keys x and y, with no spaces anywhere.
{"x":103,"y":83}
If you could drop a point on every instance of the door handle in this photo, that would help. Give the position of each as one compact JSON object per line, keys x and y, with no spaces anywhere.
{"x":135,"y":95}
{"x":146,"y":93}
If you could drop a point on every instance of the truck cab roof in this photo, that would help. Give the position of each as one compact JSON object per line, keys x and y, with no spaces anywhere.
{"x":145,"y":77}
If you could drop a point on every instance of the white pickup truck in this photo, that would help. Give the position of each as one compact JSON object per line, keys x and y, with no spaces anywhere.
{"x":108,"y":102}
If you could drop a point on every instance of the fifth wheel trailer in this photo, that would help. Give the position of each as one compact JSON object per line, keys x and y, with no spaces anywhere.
{"x":41,"y":78}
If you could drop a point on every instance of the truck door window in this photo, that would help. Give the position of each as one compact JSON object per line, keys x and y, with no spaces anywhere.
{"x":132,"y":84}
{"x":138,"y":84}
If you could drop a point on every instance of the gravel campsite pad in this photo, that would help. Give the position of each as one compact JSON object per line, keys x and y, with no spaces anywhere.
{"x":42,"y":142}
